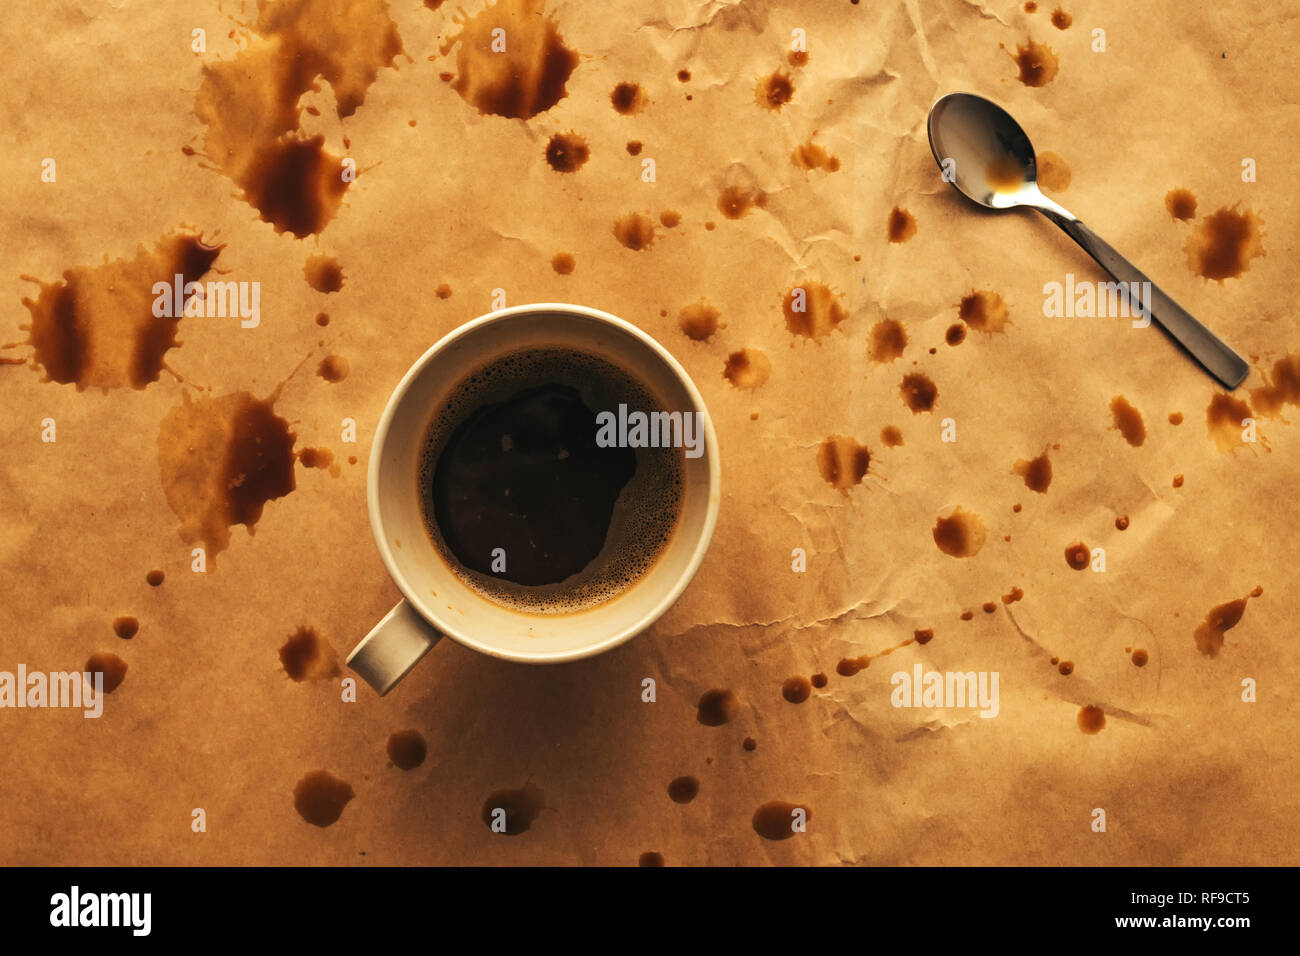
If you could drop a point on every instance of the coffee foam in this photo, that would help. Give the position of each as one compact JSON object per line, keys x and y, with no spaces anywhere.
{"x":645,"y":514}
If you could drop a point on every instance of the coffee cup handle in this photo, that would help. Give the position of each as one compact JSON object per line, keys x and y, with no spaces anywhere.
{"x":392,"y":648}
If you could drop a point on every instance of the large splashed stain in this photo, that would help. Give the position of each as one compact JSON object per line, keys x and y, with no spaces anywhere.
{"x":888,"y":340}
{"x":221,"y":460}
{"x":1281,"y":387}
{"x":527,"y":77}
{"x":813,"y":310}
{"x":809,"y":156}
{"x":1037,"y":472}
{"x":319,"y":797}
{"x":1225,"y":421}
{"x":97,"y":328}
{"x":984,"y":311}
{"x":1224,"y":243}
{"x":747,"y":368}
{"x":1221,"y":619}
{"x":1037,"y":63}
{"x":842,"y":462}
{"x":306,"y":656}
{"x":250,"y":104}
{"x":961,"y":534}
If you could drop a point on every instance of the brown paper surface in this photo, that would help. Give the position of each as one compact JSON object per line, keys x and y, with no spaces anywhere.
{"x":1186,"y":771}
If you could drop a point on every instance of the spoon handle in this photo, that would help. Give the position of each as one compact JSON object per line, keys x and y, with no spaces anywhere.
{"x":1203,"y":345}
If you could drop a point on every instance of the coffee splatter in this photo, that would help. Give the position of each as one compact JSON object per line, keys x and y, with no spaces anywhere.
{"x":567,"y":152}
{"x":901,"y":226}
{"x":321,"y":458}
{"x":698,"y":321}
{"x":1224,"y":244}
{"x":797,"y":57}
{"x":1139,"y":657}
{"x":717,"y":707}
{"x":796,"y":689}
{"x":96,"y":327}
{"x":650,"y":858}
{"x":1091,"y":719}
{"x":775,"y":90}
{"x":891,"y":437}
{"x":1281,"y":387}
{"x":221,"y":460}
{"x":809,"y":156}
{"x":634,"y":147}
{"x":1053,"y":172}
{"x":776,"y":820}
{"x":322,"y":319}
{"x":966,"y":615}
{"x":888,"y":339}
{"x":747,"y":368}
{"x":333,"y":368}
{"x":307,"y":656}
{"x":1065,"y":668}
{"x":819,"y":680}
{"x":126,"y":627}
{"x":924,"y":636}
{"x":155,"y":578}
{"x":961,"y":534}
{"x":1175,"y":418}
{"x":323,"y":273}
{"x":1030,"y":6}
{"x":1037,"y":472}
{"x":670,"y":219}
{"x":812,"y":310}
{"x":1181,"y":204}
{"x":735,"y":201}
{"x":1128,"y":420}
{"x":1061,"y":20}
{"x":443,"y":291}
{"x":319,"y":797}
{"x":111,"y":666}
{"x":1220,"y":620}
{"x":1037,"y":63}
{"x":1015,"y":595}
{"x":1078,"y":556}
{"x":1121,"y":523}
{"x":842,"y":462}
{"x":850,"y":666}
{"x":684,"y":76}
{"x":521,"y":808}
{"x":956,"y":334}
{"x":750,"y":744}
{"x":628,"y":98}
{"x":683,"y":789}
{"x":563,"y":263}
{"x":984,"y":311}
{"x":635,"y":231}
{"x":1223,"y":420}
{"x":919,"y":392}
{"x":407,"y":749}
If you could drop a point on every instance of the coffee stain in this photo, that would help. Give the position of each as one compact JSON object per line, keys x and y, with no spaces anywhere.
{"x":522,"y":808}
{"x":984,"y":311}
{"x":684,"y":76}
{"x":126,"y":627}
{"x":221,"y":460}
{"x":819,"y":680}
{"x":443,"y":291}
{"x":563,"y":263}
{"x":797,"y":58}
{"x":306,"y":656}
{"x":1223,"y":421}
{"x":796,"y":689}
{"x":1181,"y":204}
{"x":1030,"y":6}
{"x":1128,"y":420}
{"x":155,"y":578}
{"x":923,"y":636}
{"x":323,"y":273}
{"x":1016,"y":507}
{"x":698,"y":321}
{"x":901,"y":226}
{"x":333,"y":368}
{"x":1078,"y":556}
{"x":961,"y":534}
{"x":1281,"y":386}
{"x":683,"y":789}
{"x":1224,"y":244}
{"x":747,"y":368}
{"x":774,"y":90}
{"x":322,"y":319}
{"x":919,"y":392}
{"x":321,"y":458}
{"x":1037,"y":63}
{"x":956,"y":334}
{"x":851,"y":666}
{"x":628,"y":98}
{"x":888,"y":339}
{"x":1121,"y":523}
{"x":1016,"y":594}
{"x":842,"y":462}
{"x":1061,"y":20}
{"x":735,"y":201}
{"x":670,"y":219}
{"x":567,"y":152}
{"x":635,"y":231}
{"x":891,"y":436}
{"x":1139,"y":657}
{"x":717,"y":707}
{"x":650,"y":858}
{"x":1221,"y":619}
{"x":1091,"y":719}
{"x":1178,"y":481}
{"x":990,"y":607}
{"x":1005,"y":174}
{"x":966,"y":615}
{"x":407,"y":749}
{"x":809,"y":156}
{"x":1065,"y":668}
{"x":528,"y":77}
{"x":1175,"y":418}
{"x":813,"y":310}
{"x":1037,"y":472}
{"x":111,"y":666}
{"x":750,"y":744}
{"x":775,"y":820}
{"x":319,"y":797}
{"x":1053,"y":172}
{"x":96,"y":326}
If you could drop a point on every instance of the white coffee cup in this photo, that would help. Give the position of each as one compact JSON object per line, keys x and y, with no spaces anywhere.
{"x":436,"y":602}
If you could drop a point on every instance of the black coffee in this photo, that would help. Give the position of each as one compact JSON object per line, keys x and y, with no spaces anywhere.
{"x":524,"y":503}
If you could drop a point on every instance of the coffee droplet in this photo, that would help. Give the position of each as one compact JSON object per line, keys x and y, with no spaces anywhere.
{"x":563,"y":263}
{"x":650,"y":858}
{"x":670,"y":219}
{"x":1037,"y":472}
{"x":849,"y":666}
{"x":319,"y":797}
{"x":323,"y":273}
{"x":1175,"y":418}
{"x":891,"y":437}
{"x":888,"y":339}
{"x":901,"y":226}
{"x":1223,"y":420}
{"x":797,"y":57}
{"x":307,"y":656}
{"x":967,"y":615}
{"x":1061,"y":20}
{"x":1014,"y":595}
{"x":333,"y":368}
{"x":1053,"y":172}
{"x":748,"y":368}
{"x":635,"y":231}
{"x":990,"y":607}
{"x":126,"y":627}
{"x":322,"y":319}
{"x":1092,"y":719}
{"x":842,"y":462}
{"x":1128,"y":420}
{"x":812,"y":310}
{"x":960,"y":535}
{"x":775,"y":90}
{"x":796,"y":689}
{"x":1281,"y":386}
{"x":407,"y":749}
{"x":717,"y":707}
{"x":1181,"y":204}
{"x":155,"y":578}
{"x":443,"y":291}
{"x":1065,"y":668}
{"x":809,"y":156}
{"x":1220,"y":620}
{"x":1178,"y":481}
{"x":521,"y":808}
{"x":984,"y":311}
{"x":111,"y":666}
{"x":321,"y":458}
{"x":819,"y":680}
{"x":567,"y":152}
{"x":1037,"y":63}
{"x":750,"y":744}
{"x":919,"y":392}
{"x":698,"y":321}
{"x":527,"y":77}
{"x":683,"y":789}
{"x":1224,"y":243}
{"x":1139,"y":657}
{"x":1121,"y":523}
{"x":735,"y":201}
{"x":634,"y":147}
{"x":1078,"y":556}
{"x":777,"y":819}
{"x":956,"y":334}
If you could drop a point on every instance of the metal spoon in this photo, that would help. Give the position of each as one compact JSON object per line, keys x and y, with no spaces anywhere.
{"x":988,"y":157}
